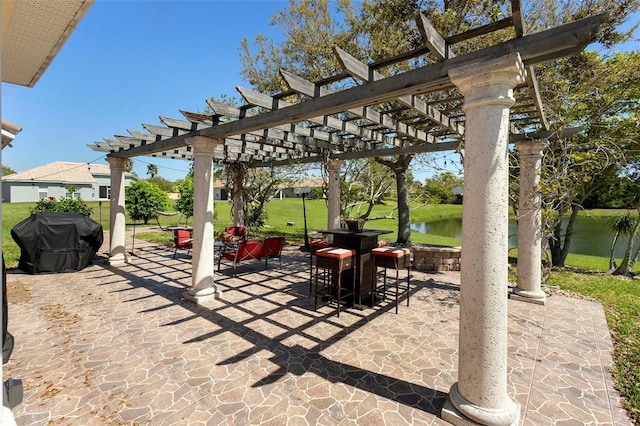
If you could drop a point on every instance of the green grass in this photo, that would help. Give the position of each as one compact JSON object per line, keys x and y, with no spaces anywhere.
{"x":14,"y":213}
{"x":620,"y":297}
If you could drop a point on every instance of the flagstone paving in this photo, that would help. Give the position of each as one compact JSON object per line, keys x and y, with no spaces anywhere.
{"x":121,"y":346}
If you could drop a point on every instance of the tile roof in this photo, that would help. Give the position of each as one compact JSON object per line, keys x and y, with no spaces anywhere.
{"x":60,"y":171}
{"x":313,"y":182}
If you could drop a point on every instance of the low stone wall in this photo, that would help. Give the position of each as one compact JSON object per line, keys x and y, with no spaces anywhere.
{"x":436,"y":258}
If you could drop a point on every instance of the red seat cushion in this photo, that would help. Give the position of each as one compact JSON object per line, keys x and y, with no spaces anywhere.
{"x":390,"y":251}
{"x":319,"y":244}
{"x":316,"y":245}
{"x":335,"y":252}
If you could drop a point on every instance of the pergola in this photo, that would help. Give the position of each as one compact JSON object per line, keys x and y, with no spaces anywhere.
{"x":488,"y":98}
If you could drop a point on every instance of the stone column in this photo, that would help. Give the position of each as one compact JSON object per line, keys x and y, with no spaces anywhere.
{"x":117,"y":217}
{"x":333,"y":194}
{"x":529,"y":225}
{"x":202,"y":285}
{"x":238,"y":192}
{"x":480,"y":395}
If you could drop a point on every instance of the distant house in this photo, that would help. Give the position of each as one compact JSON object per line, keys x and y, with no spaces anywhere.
{"x":91,"y":182}
{"x":291,"y":189}
{"x":219,"y":190}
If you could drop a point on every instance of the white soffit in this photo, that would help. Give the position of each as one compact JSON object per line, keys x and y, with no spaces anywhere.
{"x":33,"y":32}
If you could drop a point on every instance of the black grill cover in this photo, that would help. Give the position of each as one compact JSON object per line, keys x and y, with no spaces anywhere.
{"x":57,"y":242}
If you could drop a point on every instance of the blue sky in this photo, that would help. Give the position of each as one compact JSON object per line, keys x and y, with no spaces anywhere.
{"x":127,"y":63}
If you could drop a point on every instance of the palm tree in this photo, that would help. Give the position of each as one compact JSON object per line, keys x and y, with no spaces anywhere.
{"x":621,"y":225}
{"x":152,"y":170}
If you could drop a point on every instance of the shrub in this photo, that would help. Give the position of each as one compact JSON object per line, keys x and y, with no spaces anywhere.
{"x":144,"y":199}
{"x":51,"y":205}
{"x":184,"y":204}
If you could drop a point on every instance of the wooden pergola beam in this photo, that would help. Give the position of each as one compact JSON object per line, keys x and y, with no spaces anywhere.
{"x":364,"y":72}
{"x":413,"y":149}
{"x":307,"y":88}
{"x":554,"y":43}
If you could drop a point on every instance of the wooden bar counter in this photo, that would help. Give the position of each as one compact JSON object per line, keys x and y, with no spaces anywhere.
{"x":362,"y":242}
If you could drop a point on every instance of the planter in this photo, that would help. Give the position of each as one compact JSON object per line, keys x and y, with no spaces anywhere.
{"x":436,"y":258}
{"x":356,"y":225}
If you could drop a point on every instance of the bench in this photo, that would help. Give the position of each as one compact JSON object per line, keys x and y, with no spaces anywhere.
{"x":254,"y":249}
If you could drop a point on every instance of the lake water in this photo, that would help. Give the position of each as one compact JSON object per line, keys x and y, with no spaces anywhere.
{"x":592,"y":236}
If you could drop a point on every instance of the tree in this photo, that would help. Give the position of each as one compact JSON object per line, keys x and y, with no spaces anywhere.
{"x":627,"y":225}
{"x":184,"y":203}
{"x":143,"y":200}
{"x":6,"y":170}
{"x":152,"y":170}
{"x":259,"y":186}
{"x":599,"y":93}
{"x":128,"y":167}
{"x":312,"y":32}
{"x":363,"y":184}
{"x":162,"y":183}
{"x":400,"y":168}
{"x":439,"y":188}
{"x":380,"y":29}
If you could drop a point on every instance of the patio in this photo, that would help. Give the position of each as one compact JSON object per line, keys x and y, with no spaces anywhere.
{"x":120,"y":346}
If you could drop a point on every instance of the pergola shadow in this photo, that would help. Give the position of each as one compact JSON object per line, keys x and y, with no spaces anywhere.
{"x":259,"y":305}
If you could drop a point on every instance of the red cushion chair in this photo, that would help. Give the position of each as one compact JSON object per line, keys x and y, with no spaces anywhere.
{"x":182,"y":239}
{"x":272,"y":249}
{"x":393,"y":258}
{"x":314,"y":246}
{"x":337,"y":260}
{"x":245,"y":250}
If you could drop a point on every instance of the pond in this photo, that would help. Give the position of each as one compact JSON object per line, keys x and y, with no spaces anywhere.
{"x":592,"y":236}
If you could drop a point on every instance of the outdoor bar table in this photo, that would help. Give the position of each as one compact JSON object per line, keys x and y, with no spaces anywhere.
{"x":362,"y":242}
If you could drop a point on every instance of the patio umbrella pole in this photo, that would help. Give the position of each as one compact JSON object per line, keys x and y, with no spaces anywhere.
{"x":133,"y":237}
{"x":306,"y":235}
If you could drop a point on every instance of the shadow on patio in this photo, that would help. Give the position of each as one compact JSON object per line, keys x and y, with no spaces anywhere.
{"x":120,"y":346}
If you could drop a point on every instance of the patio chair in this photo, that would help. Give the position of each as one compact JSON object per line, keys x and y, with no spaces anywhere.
{"x":336,"y":260}
{"x":395,"y":258}
{"x":272,"y":249}
{"x":182,"y":239}
{"x":314,"y":246}
{"x":245,"y":250}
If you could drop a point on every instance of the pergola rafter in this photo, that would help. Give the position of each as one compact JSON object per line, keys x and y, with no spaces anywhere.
{"x":381,"y":115}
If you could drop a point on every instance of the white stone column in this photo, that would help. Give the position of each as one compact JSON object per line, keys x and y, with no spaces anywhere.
{"x":529,"y":225}
{"x":480,"y":395}
{"x":117,"y":216}
{"x":238,"y":195}
{"x":333,"y":194}
{"x":202,"y":285}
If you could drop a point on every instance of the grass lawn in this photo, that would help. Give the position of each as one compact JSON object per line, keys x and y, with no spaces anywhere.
{"x":620,"y":297}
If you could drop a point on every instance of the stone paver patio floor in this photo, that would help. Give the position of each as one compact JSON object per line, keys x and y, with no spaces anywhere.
{"x":120,"y":346}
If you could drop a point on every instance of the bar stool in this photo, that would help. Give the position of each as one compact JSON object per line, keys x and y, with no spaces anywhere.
{"x":335,"y":260}
{"x":314,"y":246}
{"x":390,"y":258}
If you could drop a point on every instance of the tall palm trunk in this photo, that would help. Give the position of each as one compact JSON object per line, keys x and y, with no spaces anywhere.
{"x":626,"y":264}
